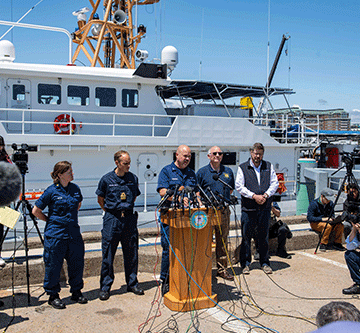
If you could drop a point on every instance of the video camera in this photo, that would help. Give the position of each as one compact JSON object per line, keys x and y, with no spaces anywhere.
{"x":351,"y":158}
{"x":20,"y":156}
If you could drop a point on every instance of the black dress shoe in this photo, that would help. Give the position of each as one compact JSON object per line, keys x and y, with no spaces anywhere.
{"x":56,"y":302}
{"x":354,"y":289}
{"x":283,"y":254}
{"x":78,"y":297}
{"x":104,"y":295}
{"x":136,"y":290}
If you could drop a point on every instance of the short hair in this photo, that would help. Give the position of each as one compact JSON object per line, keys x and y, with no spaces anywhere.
{"x":257,"y":146}
{"x":59,"y":169}
{"x":337,"y":311}
{"x":119,"y":153}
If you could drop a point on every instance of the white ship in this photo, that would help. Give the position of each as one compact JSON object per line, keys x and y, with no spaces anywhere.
{"x":85,"y":114}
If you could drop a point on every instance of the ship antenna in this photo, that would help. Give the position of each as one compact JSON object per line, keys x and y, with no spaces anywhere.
{"x":18,"y":21}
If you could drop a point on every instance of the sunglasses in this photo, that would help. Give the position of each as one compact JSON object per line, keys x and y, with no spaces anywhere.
{"x":217,"y":153}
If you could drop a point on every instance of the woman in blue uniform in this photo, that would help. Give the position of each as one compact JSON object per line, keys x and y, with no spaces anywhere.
{"x":62,"y":237}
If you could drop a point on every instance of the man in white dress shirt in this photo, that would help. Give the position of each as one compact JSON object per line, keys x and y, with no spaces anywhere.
{"x":257,"y":182}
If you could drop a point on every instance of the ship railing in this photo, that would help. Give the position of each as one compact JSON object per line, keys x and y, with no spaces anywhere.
{"x":294,"y":129}
{"x":31,"y":121}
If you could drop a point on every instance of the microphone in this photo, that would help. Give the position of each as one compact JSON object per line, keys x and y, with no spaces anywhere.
{"x":173,"y":202}
{"x":215,"y":200}
{"x":216,"y":177}
{"x":223,"y":198}
{"x":10,"y":183}
{"x":167,"y":195}
{"x":191,"y":194}
{"x":204,"y":195}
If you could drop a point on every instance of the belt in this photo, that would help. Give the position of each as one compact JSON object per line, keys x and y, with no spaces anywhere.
{"x":122,"y":213}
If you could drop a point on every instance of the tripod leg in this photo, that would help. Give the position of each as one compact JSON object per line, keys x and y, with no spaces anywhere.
{"x":29,"y":208}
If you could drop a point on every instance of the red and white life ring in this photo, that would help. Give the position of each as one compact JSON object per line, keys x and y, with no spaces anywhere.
{"x":62,"y":124}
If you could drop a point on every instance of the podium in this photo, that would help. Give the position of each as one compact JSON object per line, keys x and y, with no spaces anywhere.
{"x":190,"y":239}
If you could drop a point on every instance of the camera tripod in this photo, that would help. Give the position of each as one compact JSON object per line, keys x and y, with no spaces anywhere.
{"x":25,"y":209}
{"x":348,"y":179}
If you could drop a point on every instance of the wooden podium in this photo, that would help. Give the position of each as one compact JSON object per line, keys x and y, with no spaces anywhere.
{"x":190,"y":239}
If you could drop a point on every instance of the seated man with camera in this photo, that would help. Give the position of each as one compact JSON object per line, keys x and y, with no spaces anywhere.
{"x":352,"y":255}
{"x":320,"y":214}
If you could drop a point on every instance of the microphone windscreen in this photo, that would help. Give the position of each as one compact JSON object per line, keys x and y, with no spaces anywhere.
{"x":215,"y":177}
{"x":10,"y":183}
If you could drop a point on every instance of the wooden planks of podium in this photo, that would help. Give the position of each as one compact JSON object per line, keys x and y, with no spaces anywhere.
{"x":190,"y":239}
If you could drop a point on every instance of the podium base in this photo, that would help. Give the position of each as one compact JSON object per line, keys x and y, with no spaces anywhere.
{"x":189,"y":304}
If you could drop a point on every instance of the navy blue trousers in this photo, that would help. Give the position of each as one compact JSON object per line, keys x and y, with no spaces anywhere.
{"x":165,"y":260}
{"x":254,"y":224}
{"x":55,"y":251}
{"x":352,"y":259}
{"x":123,"y":230}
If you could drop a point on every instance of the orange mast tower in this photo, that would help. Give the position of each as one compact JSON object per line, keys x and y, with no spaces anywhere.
{"x":115,"y":32}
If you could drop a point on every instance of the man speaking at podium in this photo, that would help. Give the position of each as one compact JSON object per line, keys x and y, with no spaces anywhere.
{"x":206,"y":179}
{"x":257,"y":182}
{"x":172,"y":177}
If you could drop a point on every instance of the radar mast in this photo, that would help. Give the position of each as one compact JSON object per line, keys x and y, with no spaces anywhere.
{"x":114,"y":36}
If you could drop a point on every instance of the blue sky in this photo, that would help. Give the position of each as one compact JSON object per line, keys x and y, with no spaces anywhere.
{"x":230,"y":38}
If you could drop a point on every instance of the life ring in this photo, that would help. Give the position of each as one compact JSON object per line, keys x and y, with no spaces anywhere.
{"x":62,"y":124}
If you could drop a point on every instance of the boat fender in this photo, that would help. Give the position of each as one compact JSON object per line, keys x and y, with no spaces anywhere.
{"x":62,"y":124}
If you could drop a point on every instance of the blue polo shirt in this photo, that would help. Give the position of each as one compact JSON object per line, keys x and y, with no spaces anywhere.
{"x":119,"y":192}
{"x":205,"y":179}
{"x":171,"y":175}
{"x":63,"y":203}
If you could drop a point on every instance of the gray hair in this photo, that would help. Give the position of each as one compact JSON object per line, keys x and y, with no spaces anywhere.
{"x":337,"y":311}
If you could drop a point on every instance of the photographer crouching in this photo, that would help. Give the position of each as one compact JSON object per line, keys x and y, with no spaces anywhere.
{"x":352,"y":255}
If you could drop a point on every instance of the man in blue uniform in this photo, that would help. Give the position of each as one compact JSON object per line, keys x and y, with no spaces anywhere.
{"x":205,"y":179}
{"x":257,"y":182}
{"x":117,"y":191}
{"x":172,"y":177}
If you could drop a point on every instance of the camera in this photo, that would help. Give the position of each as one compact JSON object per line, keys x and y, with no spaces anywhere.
{"x":351,"y":158}
{"x":20,"y":156}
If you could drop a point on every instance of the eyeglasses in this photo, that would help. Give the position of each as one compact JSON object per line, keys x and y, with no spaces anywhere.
{"x":217,"y":153}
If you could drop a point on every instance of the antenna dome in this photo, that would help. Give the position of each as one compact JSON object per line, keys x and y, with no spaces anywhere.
{"x":7,"y":51}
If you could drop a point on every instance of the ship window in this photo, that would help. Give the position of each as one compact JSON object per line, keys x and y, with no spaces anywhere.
{"x":18,"y":92}
{"x":49,"y":93}
{"x":105,"y":96}
{"x":77,"y":95}
{"x":130,"y":98}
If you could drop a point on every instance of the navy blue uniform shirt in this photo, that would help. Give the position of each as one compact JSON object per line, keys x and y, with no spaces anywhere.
{"x":63,"y":206}
{"x":205,"y":179}
{"x":171,"y":175}
{"x":119,"y":192}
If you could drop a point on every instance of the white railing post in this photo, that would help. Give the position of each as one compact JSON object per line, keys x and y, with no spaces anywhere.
{"x":153,"y":126}
{"x":114,"y":125}
{"x":145,"y":196}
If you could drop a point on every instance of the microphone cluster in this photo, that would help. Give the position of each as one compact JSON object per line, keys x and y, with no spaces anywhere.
{"x":185,"y":197}
{"x":181,"y":198}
